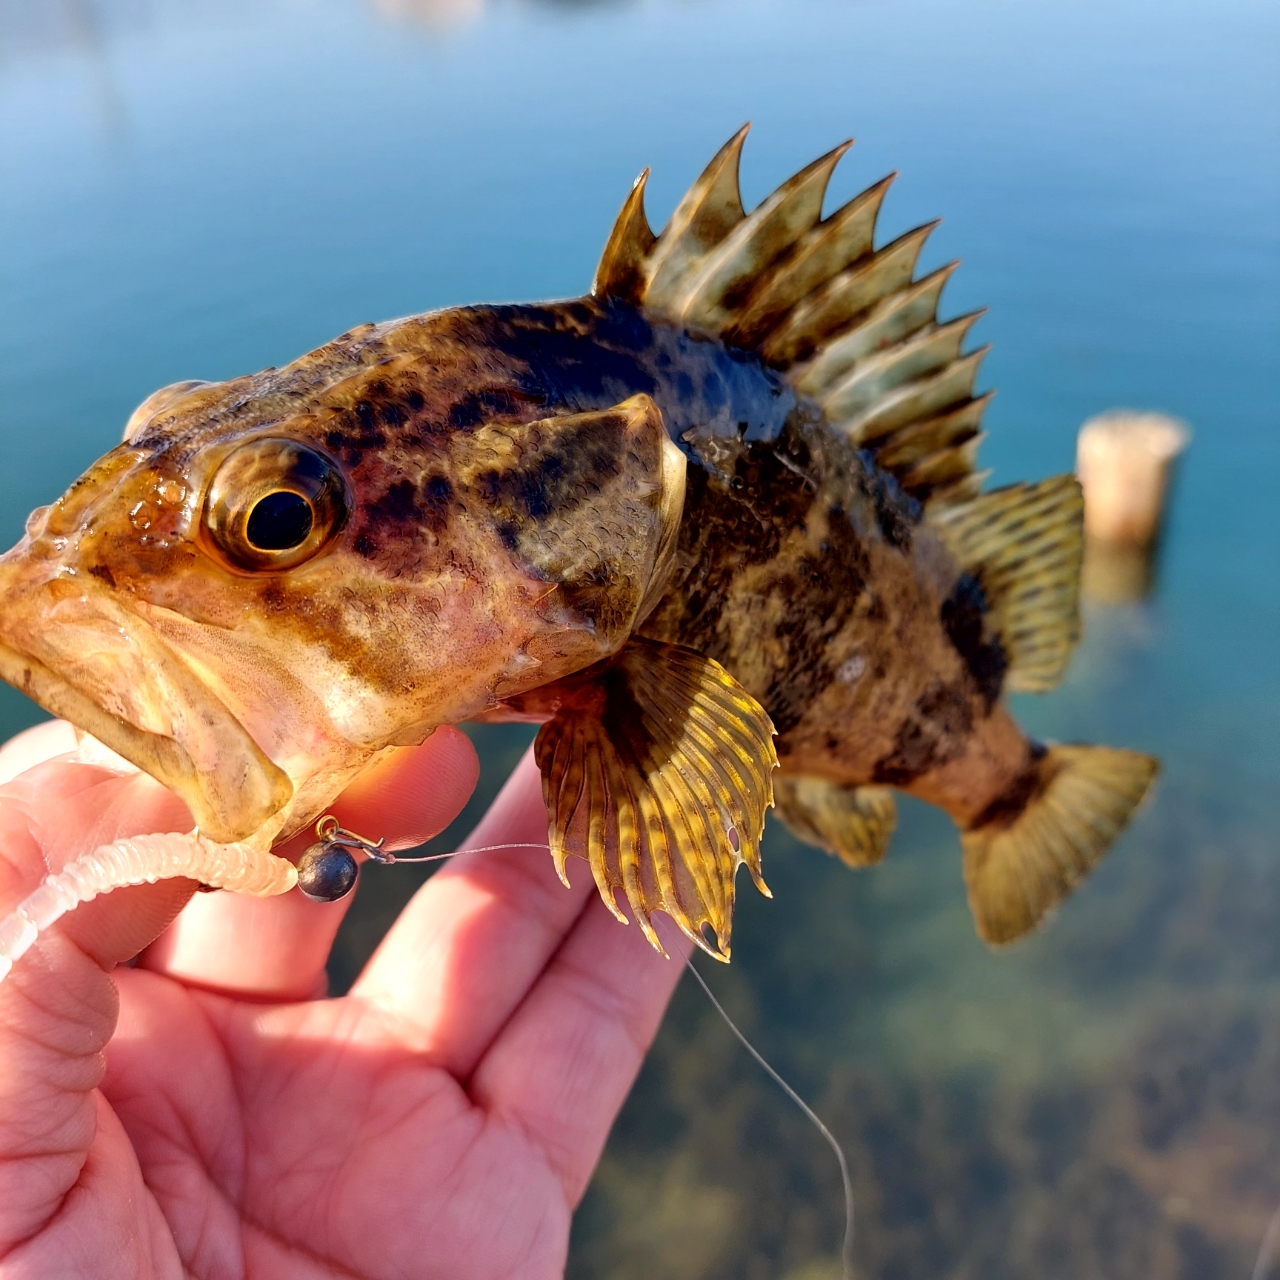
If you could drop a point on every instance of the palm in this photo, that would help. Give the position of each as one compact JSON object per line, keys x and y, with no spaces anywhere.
{"x":442,"y":1120}
{"x":305,"y":1139}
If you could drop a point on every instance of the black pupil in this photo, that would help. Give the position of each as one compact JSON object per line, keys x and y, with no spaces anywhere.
{"x":279,"y":522}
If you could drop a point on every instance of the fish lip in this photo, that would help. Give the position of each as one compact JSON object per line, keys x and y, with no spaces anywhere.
{"x":231,"y":787}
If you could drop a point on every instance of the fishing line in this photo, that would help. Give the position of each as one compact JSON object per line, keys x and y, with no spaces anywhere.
{"x":846,"y":1249}
{"x":392,"y":859}
{"x":1267,"y":1250}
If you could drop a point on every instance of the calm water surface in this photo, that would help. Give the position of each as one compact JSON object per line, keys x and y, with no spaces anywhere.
{"x":191,"y":189}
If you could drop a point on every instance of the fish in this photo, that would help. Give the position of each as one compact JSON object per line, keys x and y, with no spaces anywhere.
{"x":717,"y":526}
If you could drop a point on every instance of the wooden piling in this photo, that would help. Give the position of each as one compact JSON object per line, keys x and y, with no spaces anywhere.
{"x":1125,"y":461}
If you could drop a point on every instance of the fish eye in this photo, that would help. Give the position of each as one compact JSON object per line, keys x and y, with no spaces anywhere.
{"x":274,"y":504}
{"x":279,"y":522}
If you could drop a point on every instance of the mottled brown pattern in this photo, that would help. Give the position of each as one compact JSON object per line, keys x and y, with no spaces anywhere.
{"x":502,"y":533}
{"x":495,"y":542}
{"x":808,"y":574}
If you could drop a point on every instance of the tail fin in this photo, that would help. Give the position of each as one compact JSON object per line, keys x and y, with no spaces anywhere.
{"x":1023,"y":861}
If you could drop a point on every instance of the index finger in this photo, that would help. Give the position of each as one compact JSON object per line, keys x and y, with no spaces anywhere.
{"x":477,"y":935}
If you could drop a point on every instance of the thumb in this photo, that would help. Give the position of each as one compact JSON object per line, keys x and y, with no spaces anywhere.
{"x":58,"y":1006}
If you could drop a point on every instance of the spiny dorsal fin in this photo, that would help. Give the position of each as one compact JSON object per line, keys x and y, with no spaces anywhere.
{"x":1024,"y":545}
{"x":656,"y":768}
{"x":1028,"y":857}
{"x":854,"y":823}
{"x":848,"y":325}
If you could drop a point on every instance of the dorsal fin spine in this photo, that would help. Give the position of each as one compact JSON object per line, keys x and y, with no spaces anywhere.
{"x":924,"y":353}
{"x":709,"y":211}
{"x":852,"y":292}
{"x":621,"y":273}
{"x":755,"y":243}
{"x":941,"y":430}
{"x":920,"y":399}
{"x":892,"y":320}
{"x":940,"y":468}
{"x":844,"y":237}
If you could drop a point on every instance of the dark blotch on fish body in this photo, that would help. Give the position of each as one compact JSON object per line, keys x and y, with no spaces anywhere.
{"x":825,"y":590}
{"x":962,"y":619}
{"x":932,"y":735}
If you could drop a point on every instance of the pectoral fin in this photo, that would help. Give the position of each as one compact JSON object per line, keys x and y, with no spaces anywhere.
{"x":854,"y":823}
{"x":656,"y":768}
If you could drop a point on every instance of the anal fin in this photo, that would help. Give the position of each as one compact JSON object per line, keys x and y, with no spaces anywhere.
{"x":1028,"y":855}
{"x":656,"y":767}
{"x":854,"y":823}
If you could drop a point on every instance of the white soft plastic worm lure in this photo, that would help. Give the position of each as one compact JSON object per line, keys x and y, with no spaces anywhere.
{"x":140,"y":860}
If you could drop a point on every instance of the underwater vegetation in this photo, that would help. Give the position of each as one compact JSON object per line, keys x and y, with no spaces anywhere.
{"x":1152,"y":1150}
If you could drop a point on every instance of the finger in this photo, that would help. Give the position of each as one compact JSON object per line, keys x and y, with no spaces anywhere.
{"x":34,"y":746}
{"x":414,"y":795}
{"x":55,"y":812}
{"x":277,"y":948}
{"x":58,"y":1006}
{"x":475,"y":937}
{"x":564,"y":1064}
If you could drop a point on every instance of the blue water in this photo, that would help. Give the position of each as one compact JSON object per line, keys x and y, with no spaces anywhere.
{"x":191,"y":189}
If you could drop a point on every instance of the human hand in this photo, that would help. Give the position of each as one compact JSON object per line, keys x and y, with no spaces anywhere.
{"x":210,"y":1113}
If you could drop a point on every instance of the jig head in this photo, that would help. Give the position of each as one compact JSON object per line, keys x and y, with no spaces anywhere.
{"x":327,"y":869}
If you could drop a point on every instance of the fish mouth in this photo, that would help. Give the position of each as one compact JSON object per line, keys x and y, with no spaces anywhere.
{"x":83,"y":656}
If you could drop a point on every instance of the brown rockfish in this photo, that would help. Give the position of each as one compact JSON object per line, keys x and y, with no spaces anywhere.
{"x":731,"y":494}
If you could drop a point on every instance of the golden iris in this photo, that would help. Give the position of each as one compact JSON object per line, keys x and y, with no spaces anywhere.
{"x":274,"y":504}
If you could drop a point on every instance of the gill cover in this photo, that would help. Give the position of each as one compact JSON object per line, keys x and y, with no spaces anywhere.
{"x":590,"y":503}
{"x":655,"y":762}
